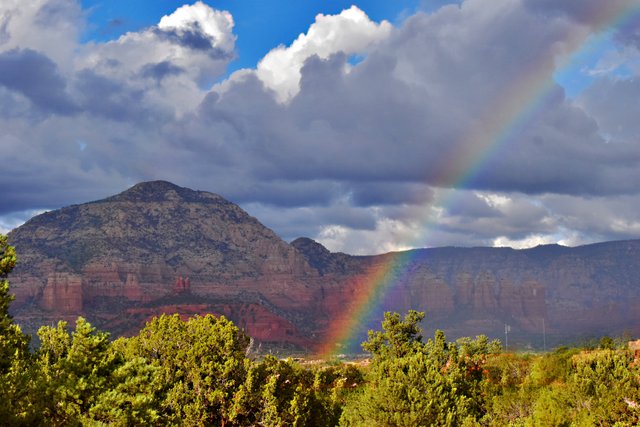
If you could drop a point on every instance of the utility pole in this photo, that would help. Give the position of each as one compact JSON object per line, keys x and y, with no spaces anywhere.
{"x":544,"y":337}
{"x":507,"y":328}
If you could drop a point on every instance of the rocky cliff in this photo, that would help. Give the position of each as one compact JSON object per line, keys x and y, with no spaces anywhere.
{"x":565,"y":293}
{"x":161,"y":248}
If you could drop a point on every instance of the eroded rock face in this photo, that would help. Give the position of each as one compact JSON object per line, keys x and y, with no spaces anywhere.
{"x":161,"y":248}
{"x":151,"y":246}
{"x":63,"y":293}
{"x":566,"y":292}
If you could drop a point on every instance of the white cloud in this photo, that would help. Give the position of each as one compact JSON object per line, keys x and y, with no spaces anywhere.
{"x":169,"y":63}
{"x":495,"y":200}
{"x":51,"y":27}
{"x":527,"y":242}
{"x":9,"y":222}
{"x":388,"y":236}
{"x":350,"y":32}
{"x":216,"y":24}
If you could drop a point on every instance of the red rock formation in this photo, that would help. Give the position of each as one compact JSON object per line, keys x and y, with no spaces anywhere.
{"x":161,"y":248}
{"x":63,"y":293}
{"x":181,"y":285}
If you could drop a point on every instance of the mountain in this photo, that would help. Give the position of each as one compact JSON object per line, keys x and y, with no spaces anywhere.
{"x":551,"y":291}
{"x":158,"y":248}
{"x":154,"y":248}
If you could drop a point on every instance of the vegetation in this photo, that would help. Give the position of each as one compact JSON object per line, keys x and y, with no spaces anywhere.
{"x":195,"y":372}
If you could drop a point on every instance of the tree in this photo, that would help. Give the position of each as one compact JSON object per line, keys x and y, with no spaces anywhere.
{"x":200,"y":364}
{"x":414,"y":383}
{"x":12,"y":339}
{"x":73,"y":370}
{"x":398,"y":337}
{"x":14,"y":349}
{"x":282,"y":393}
{"x":605,"y":388}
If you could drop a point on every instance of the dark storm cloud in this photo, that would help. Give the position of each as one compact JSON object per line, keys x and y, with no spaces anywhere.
{"x":52,"y":13}
{"x":359,"y":149}
{"x":36,"y":77}
{"x":284,"y":193}
{"x":614,"y":102}
{"x":161,"y":70}
{"x":472,"y":206}
{"x":629,"y":32}
{"x":23,"y":192}
{"x":398,"y":117}
{"x":389,"y":193}
{"x":112,"y":99}
{"x":583,"y":11}
{"x":562,"y":152}
{"x":193,"y":38}
{"x":309,"y":221}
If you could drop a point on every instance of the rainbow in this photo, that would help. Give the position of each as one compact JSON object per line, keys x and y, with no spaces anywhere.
{"x":520,"y":101}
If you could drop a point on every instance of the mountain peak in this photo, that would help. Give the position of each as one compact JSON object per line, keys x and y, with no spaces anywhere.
{"x":310,"y":246}
{"x":160,"y":191}
{"x":158,"y":223}
{"x":158,"y":185}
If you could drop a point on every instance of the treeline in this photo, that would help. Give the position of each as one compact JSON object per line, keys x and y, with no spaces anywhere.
{"x":197,"y":372}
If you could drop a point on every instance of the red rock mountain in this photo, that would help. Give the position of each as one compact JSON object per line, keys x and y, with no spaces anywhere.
{"x":161,"y":248}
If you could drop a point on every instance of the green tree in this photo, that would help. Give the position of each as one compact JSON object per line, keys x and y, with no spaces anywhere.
{"x":200,"y":365}
{"x":73,"y":370}
{"x":81,"y":379}
{"x":398,"y":338}
{"x":605,"y":388}
{"x":283,"y":393}
{"x":14,"y":350}
{"x":567,"y":387}
{"x":414,"y":383}
{"x":129,"y":399}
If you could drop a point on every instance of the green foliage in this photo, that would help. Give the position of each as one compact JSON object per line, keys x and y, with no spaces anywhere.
{"x":80,"y":380}
{"x":283,"y":393}
{"x":551,"y":368}
{"x":570,"y":387}
{"x":13,"y":343}
{"x":607,"y":384}
{"x":413,"y":383}
{"x":14,"y":349}
{"x":130,"y":399}
{"x":398,"y":338}
{"x":200,"y":364}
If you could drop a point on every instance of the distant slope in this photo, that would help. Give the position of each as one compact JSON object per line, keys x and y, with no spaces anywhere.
{"x":155,"y":222}
{"x":158,"y":247}
{"x":570,"y":292}
{"x":154,"y":246}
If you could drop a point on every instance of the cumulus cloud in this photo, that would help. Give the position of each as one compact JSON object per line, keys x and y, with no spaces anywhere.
{"x":350,"y":32}
{"x":36,"y":77}
{"x":201,"y":27}
{"x":51,"y":27}
{"x":431,"y":139}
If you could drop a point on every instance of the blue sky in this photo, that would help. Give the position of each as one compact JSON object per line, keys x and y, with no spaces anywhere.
{"x":358,"y":128}
{"x":261,"y":25}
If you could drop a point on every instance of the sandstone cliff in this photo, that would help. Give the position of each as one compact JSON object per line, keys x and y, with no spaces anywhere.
{"x":160,"y":248}
{"x":152,"y":247}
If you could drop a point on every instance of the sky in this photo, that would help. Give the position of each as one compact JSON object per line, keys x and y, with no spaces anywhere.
{"x":369,"y":126}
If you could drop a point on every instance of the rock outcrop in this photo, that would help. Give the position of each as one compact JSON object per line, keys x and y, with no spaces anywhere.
{"x":161,"y":248}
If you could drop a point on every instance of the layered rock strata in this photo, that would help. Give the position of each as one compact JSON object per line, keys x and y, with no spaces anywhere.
{"x":161,"y":248}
